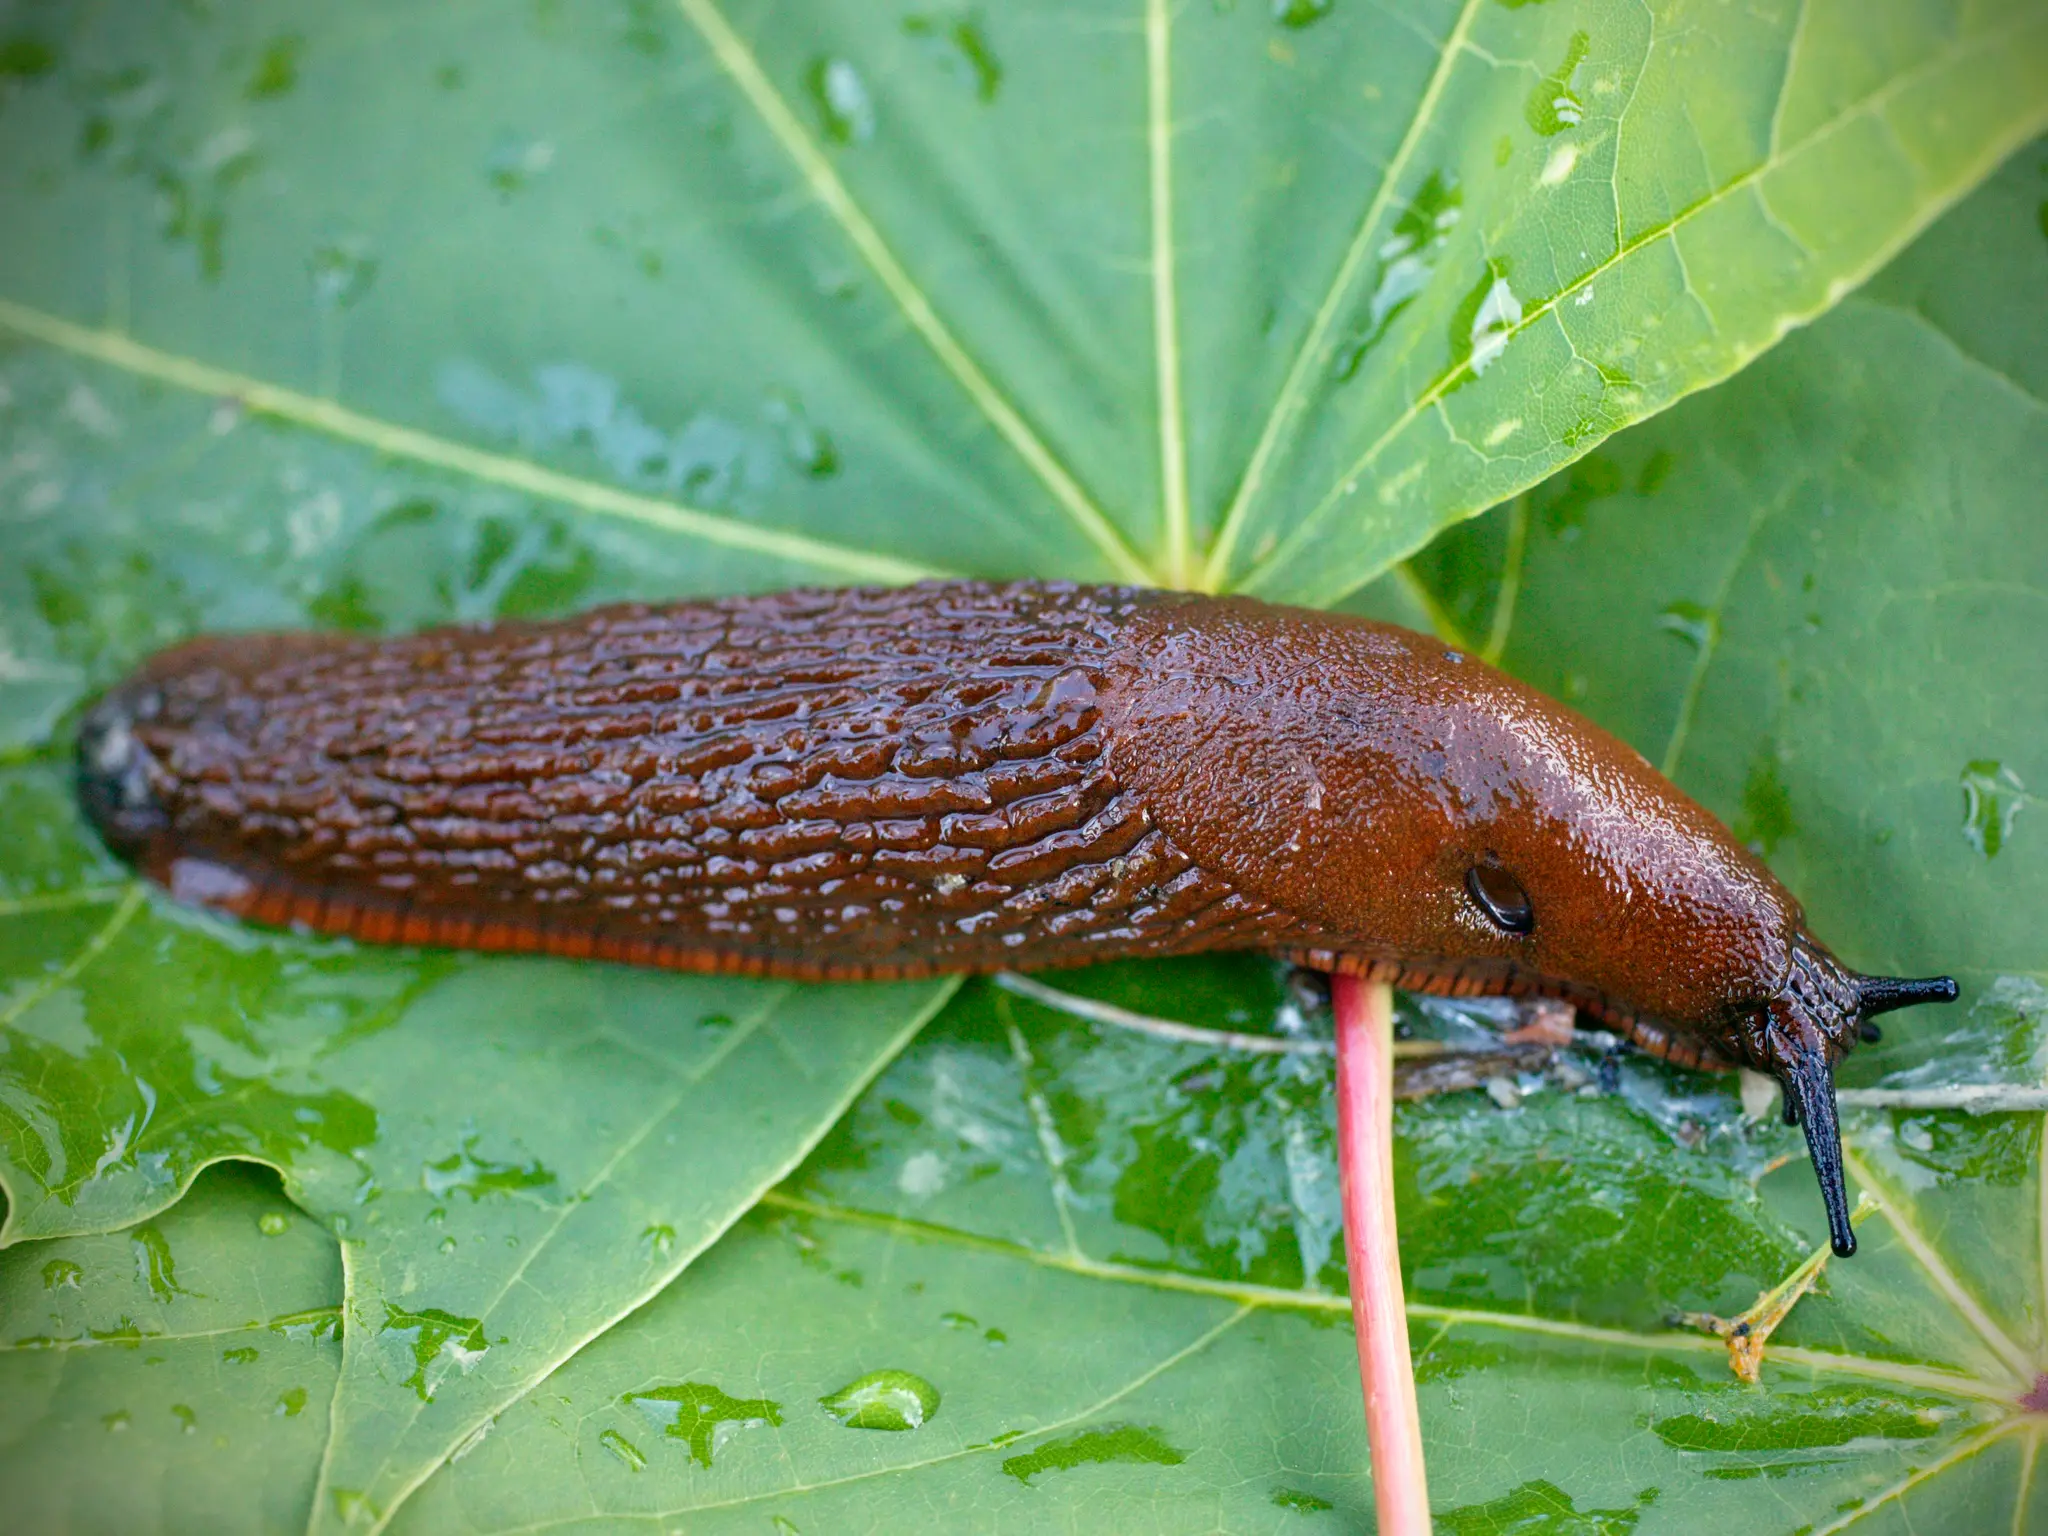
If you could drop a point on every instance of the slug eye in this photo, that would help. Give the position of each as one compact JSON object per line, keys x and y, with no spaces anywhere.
{"x":1500,"y":896}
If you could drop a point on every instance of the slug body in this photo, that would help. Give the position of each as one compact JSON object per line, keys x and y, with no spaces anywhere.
{"x":965,"y":776}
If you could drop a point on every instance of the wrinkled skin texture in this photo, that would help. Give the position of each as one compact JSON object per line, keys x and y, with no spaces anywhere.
{"x":964,"y":776}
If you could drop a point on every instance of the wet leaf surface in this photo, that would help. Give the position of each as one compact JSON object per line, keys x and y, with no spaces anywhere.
{"x":385,"y":317}
{"x":175,"y":1376}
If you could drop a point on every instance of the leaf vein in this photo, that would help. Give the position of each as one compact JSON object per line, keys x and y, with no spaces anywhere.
{"x":338,"y":421}
{"x":1308,"y":357}
{"x":1274,"y":1298}
{"x":738,"y":61}
{"x":1967,"y":1306}
{"x":1173,"y":459}
{"x":1864,"y":106}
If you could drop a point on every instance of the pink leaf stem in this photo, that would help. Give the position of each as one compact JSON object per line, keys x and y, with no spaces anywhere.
{"x":1365,"y":1158}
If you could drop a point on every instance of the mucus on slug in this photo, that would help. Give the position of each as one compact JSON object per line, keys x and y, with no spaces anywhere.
{"x":968,"y":776}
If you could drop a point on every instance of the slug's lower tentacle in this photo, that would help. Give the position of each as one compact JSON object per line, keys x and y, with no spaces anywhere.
{"x":1810,"y":1084}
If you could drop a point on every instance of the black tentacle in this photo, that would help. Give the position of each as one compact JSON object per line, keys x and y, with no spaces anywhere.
{"x":1822,"y":1010}
{"x":1881,"y":994}
{"x":1810,"y":1083}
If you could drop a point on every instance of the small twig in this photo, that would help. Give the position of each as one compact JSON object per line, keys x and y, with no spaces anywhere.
{"x":1165,"y":1029}
{"x":1429,"y":1067}
{"x":1462,"y":1071}
{"x":1747,"y":1335}
{"x":58,"y":901}
{"x":1365,"y":1159}
{"x":1974,"y":1098}
{"x":1185,"y":1034}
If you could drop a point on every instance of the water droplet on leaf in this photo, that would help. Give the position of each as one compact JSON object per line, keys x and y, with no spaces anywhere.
{"x":625,"y":1450}
{"x":441,"y":1342}
{"x":1993,"y":797}
{"x":1301,"y":13}
{"x":1090,"y":1447}
{"x":1483,"y":323}
{"x":1552,"y":107}
{"x":845,"y":109}
{"x":465,"y":1173}
{"x":807,"y":446}
{"x":1407,"y":261}
{"x":342,"y":272}
{"x":703,"y":1416}
{"x":314,"y":1323}
{"x":154,"y":1263}
{"x":893,"y":1400}
{"x":966,"y":52}
{"x":62,"y":1274}
{"x":1301,"y":1503}
{"x":1699,"y":627}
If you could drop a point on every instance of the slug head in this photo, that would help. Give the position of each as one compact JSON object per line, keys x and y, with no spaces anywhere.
{"x":1818,"y":1015}
{"x":1403,"y":803}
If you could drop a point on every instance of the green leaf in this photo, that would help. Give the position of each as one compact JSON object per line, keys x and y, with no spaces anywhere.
{"x":143,"y":1043}
{"x":514,"y":1154}
{"x":986,"y":1215}
{"x":175,"y":1376}
{"x":1090,"y":1245}
{"x":1819,"y":592}
{"x":381,"y":318}
{"x":1850,"y":528}
{"x":1206,"y":294}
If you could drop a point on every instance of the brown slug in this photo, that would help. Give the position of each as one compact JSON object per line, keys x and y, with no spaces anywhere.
{"x":965,"y":777}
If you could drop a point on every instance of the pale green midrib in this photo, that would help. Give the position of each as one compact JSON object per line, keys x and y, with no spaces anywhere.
{"x":1710,"y":643}
{"x":87,"y":1341}
{"x":687,"y":1082}
{"x":59,"y":901}
{"x":338,"y":421}
{"x":1938,"y":1270}
{"x":1997,"y":149}
{"x":1962,"y":1450}
{"x":1509,"y":590}
{"x":1441,"y":621}
{"x":1970,"y":361}
{"x":738,"y":61}
{"x":1309,"y":355}
{"x":1173,"y":460}
{"x":1274,"y":1298}
{"x":985,"y":1448}
{"x":940,"y":995}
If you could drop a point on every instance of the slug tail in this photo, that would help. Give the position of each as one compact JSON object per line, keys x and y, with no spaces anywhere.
{"x":113,"y":770}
